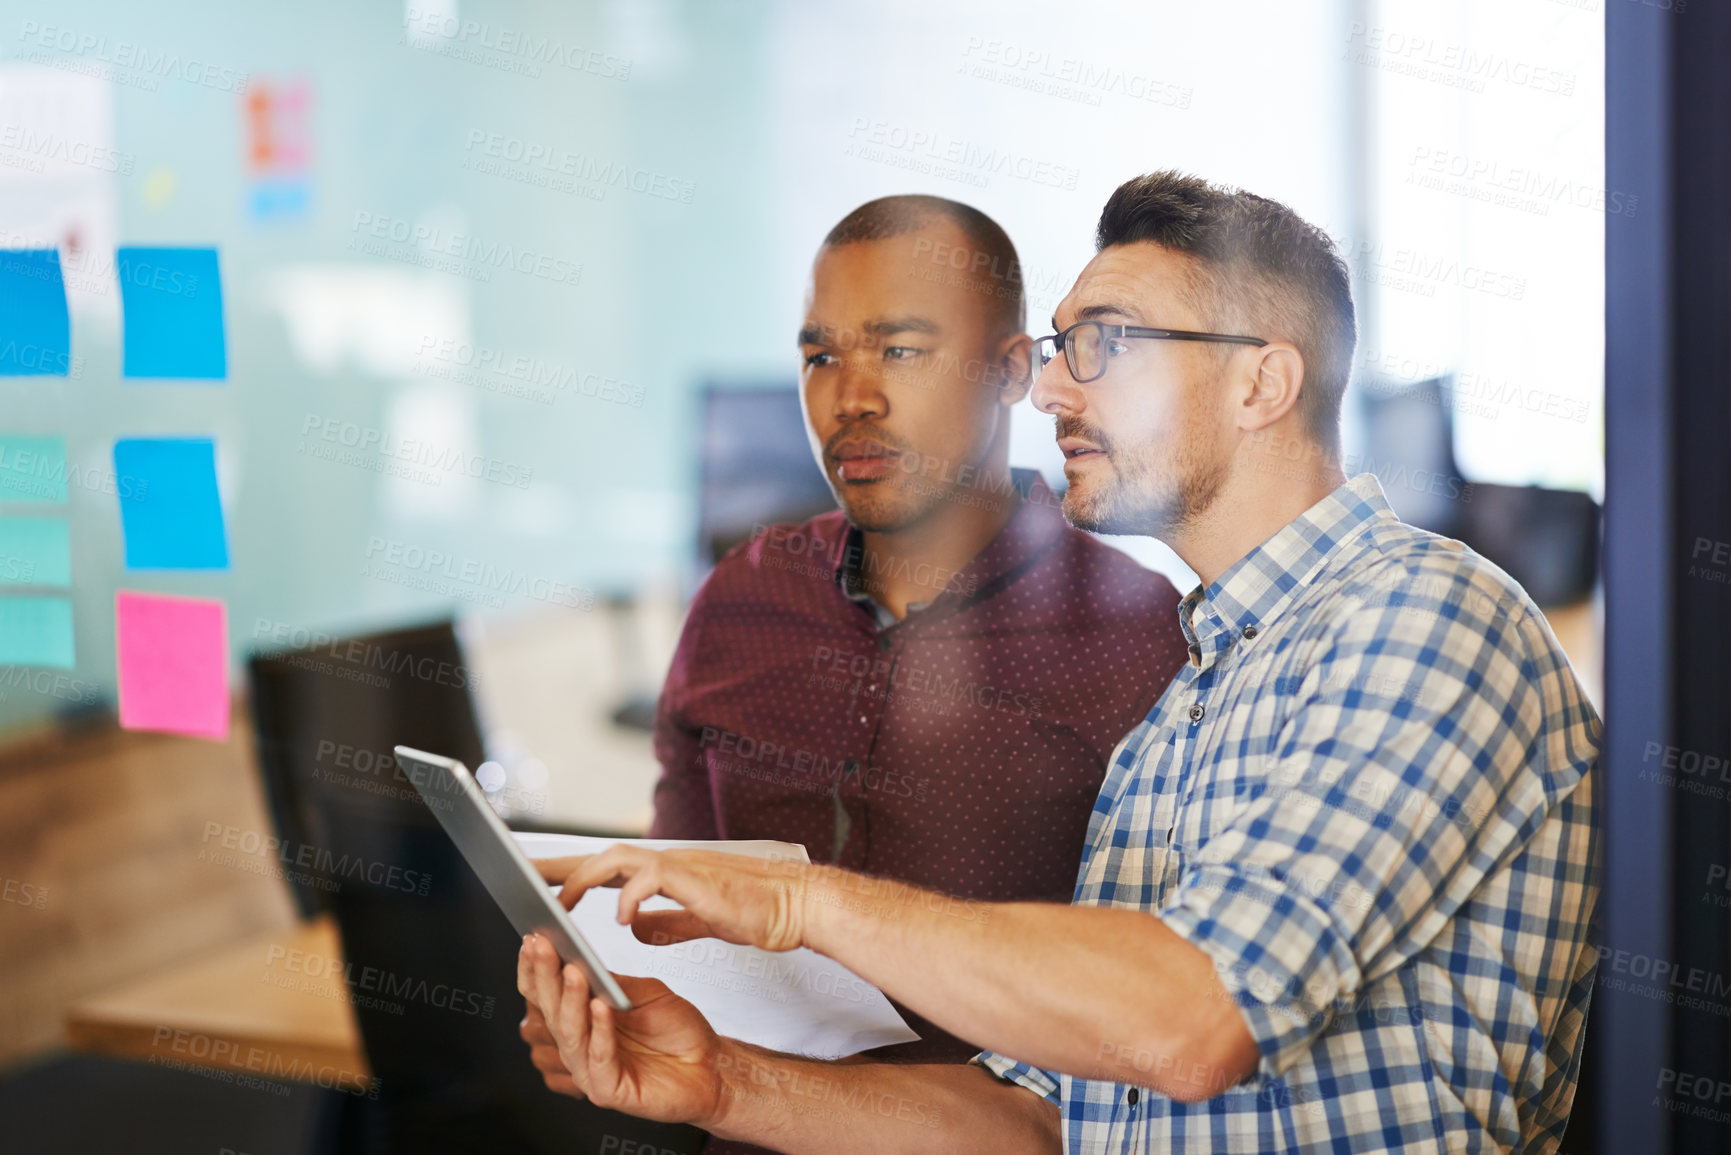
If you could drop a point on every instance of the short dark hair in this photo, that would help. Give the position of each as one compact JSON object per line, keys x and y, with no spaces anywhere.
{"x":1261,"y":269}
{"x":993,"y":262}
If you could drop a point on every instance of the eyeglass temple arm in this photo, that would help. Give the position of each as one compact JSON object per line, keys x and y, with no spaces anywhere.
{"x":1185,"y":335}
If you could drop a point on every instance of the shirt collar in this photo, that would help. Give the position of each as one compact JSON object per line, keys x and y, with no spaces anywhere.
{"x":1037,"y":522}
{"x":1258,"y":586}
{"x":848,"y":578}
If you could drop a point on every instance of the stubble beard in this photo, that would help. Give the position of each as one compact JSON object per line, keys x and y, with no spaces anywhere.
{"x":891,"y":504}
{"x":1143,"y":498}
{"x":881,"y":506}
{"x":874,"y":508}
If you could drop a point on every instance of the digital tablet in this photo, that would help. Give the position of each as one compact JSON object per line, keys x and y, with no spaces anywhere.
{"x":456,"y":800}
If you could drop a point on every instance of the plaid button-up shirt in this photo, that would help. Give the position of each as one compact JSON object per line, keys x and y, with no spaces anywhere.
{"x":1369,"y":797}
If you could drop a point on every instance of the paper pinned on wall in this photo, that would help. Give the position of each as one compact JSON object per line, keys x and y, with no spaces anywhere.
{"x":59,"y":170}
{"x":35,"y":551}
{"x":172,"y":658}
{"x":36,"y":632}
{"x":279,"y":148}
{"x":795,"y":1001}
{"x":172,"y":515}
{"x":171,"y":305}
{"x":32,"y":469}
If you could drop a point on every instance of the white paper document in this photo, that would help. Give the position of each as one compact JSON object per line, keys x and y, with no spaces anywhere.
{"x":795,"y":1001}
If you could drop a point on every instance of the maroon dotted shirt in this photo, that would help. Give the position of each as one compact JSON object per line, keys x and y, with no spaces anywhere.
{"x":960,"y":749}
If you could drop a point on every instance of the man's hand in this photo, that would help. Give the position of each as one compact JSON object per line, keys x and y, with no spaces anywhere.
{"x":544,"y":1051}
{"x":659,"y":1060}
{"x":748,"y":901}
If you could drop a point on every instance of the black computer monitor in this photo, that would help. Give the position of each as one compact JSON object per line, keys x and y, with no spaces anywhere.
{"x":1409,"y":440}
{"x":1547,"y":539}
{"x":325,"y":718}
{"x":756,"y":466}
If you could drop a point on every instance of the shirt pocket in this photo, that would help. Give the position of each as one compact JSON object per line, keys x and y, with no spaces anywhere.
{"x":1213,"y":802}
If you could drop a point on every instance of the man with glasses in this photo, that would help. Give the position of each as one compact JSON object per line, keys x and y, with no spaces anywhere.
{"x":1336,"y":887}
{"x":891,"y":685}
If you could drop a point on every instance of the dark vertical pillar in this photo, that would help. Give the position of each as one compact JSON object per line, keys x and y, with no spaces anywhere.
{"x":1700,"y":526}
{"x":1668,"y":490}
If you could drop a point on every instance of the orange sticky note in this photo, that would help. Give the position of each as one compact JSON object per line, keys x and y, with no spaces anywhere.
{"x":172,"y":655}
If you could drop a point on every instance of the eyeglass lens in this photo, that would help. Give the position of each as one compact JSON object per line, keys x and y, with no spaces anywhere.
{"x":1083,"y":352}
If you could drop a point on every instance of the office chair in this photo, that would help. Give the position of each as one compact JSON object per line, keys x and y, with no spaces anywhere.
{"x":430,"y":960}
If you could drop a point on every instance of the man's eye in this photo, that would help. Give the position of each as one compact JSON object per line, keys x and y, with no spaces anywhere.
{"x":901,"y":353}
{"x":818,"y":360}
{"x":1115,"y":347}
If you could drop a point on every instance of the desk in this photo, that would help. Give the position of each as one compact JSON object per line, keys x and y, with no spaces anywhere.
{"x":255,"y":1009}
{"x":545,"y":682}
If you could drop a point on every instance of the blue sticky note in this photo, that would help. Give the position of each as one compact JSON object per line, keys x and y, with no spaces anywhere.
{"x":171,"y":515}
{"x":35,"y":551}
{"x":35,"y":327}
{"x":281,"y":200}
{"x":32,"y":468}
{"x":172,"y":305}
{"x":36,"y":632}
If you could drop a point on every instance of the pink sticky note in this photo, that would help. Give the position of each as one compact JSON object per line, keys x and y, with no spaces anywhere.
{"x":173,"y":659}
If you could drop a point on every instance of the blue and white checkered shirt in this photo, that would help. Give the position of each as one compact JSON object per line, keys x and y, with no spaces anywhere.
{"x":1369,"y":797}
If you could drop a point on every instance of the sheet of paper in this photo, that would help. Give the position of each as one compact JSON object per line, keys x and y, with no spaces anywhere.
{"x":35,"y":325}
{"x":32,"y":469}
{"x":794,"y":1001}
{"x":279,"y":149}
{"x":36,"y":632}
{"x":171,"y":516}
{"x":35,"y":551}
{"x":171,"y":305}
{"x":59,"y":177}
{"x":172,"y":654}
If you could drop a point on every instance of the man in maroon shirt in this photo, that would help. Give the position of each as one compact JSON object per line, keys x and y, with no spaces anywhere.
{"x":926,"y":684}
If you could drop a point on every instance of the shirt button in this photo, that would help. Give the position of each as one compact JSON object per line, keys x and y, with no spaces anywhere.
{"x":1196,"y":712}
{"x":1132,"y":1096}
{"x":1250,"y":633}
{"x":862,"y":719}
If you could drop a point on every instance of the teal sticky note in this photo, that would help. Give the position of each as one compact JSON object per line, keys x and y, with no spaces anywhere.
{"x":172,"y":515}
{"x":35,"y":551}
{"x":171,"y":305}
{"x":35,"y":327}
{"x":36,"y":632}
{"x":32,"y":468}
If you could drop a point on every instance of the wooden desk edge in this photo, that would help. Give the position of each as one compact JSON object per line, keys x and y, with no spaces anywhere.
{"x":335,"y":1068}
{"x":103,"y":1023}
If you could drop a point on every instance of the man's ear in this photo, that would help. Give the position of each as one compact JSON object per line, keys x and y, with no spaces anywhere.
{"x":1013,"y":372}
{"x":1275,"y":377}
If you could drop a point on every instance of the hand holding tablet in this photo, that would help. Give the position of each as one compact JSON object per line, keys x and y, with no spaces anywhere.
{"x":456,"y":800}
{"x":789,"y":1000}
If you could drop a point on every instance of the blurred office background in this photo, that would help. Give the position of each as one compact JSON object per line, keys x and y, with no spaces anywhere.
{"x":659,"y":174}
{"x":705,"y":150}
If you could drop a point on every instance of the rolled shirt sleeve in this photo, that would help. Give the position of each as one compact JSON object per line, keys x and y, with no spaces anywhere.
{"x":1043,"y":1083}
{"x":1411,"y":768}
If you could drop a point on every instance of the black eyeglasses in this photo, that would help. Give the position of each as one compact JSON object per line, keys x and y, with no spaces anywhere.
{"x":1085,"y":351}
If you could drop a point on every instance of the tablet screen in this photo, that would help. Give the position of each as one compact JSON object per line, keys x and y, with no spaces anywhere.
{"x":456,"y":800}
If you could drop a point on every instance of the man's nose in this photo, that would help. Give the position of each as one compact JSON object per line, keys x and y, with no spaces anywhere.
{"x":859,"y":391}
{"x":1055,"y":391}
